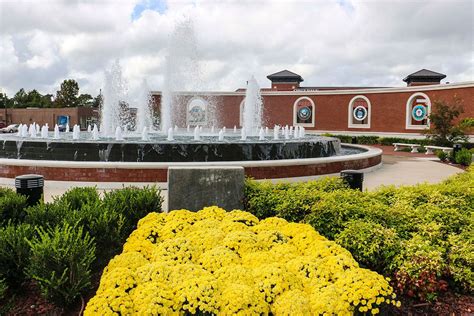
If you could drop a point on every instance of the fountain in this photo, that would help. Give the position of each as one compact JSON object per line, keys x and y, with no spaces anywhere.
{"x":136,"y":152}
{"x":252,"y":115}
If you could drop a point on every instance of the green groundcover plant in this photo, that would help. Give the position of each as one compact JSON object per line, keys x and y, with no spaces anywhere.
{"x":421,"y":236}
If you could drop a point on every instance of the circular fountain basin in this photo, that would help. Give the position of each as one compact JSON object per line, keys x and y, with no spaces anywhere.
{"x":158,"y":149}
{"x":133,"y":160}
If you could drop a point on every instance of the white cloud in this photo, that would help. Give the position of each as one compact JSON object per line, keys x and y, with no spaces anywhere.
{"x":345,"y":42}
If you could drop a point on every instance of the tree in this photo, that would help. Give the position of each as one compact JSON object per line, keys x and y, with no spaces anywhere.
{"x":47,"y":101}
{"x":98,"y":101}
{"x":444,"y":130}
{"x":34,"y":99}
{"x":20,"y":99}
{"x":67,"y":96}
{"x":85,"y":100}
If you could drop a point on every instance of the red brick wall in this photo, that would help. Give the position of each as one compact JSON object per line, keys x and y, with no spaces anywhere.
{"x":388,"y":110}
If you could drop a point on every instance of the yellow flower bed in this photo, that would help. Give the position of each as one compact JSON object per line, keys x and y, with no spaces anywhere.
{"x":227,"y":263}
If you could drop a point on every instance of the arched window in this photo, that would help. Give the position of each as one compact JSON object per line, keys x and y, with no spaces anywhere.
{"x":303,"y":112}
{"x":359,"y":112}
{"x":196,"y":113}
{"x":417,"y":111}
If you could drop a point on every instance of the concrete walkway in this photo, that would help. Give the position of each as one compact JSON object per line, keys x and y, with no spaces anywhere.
{"x":396,"y":170}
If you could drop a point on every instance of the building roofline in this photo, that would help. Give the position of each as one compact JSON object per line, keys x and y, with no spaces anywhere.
{"x":445,"y":86}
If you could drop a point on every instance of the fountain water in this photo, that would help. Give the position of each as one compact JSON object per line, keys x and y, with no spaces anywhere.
{"x":95,"y":132}
{"x":76,"y":132}
{"x":252,"y":114}
{"x":56,"y":132}
{"x":114,"y":94}
{"x":144,"y":109}
{"x":196,"y":133}
{"x":170,"y":135}
{"x":118,"y":133}
{"x":44,"y":131}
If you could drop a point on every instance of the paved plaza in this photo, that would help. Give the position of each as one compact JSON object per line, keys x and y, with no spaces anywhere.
{"x":396,"y":169}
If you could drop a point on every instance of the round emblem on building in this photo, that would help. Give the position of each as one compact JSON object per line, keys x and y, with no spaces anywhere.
{"x":304,"y":113}
{"x":360,"y":113}
{"x":419,"y":112}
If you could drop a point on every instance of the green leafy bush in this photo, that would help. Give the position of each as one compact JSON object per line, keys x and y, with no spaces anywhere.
{"x":3,"y":289}
{"x":461,"y":259}
{"x":12,"y":206}
{"x":420,"y":268}
{"x":14,"y":252}
{"x":334,"y":209}
{"x":371,"y":244}
{"x":77,"y":197}
{"x":442,"y":155}
{"x":133,"y":203}
{"x":463,"y":157}
{"x":48,"y":214}
{"x":415,"y":228}
{"x":289,"y":201}
{"x":106,"y":226}
{"x":60,"y":262}
{"x":368,"y":140}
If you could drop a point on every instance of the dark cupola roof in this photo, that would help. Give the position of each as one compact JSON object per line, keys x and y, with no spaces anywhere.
{"x":285,"y":76}
{"x":424,"y":75}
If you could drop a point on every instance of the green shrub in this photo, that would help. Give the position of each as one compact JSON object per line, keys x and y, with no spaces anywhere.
{"x":331,"y":212}
{"x":368,"y":140}
{"x":60,"y":262}
{"x":106,"y":226}
{"x":12,"y":206}
{"x":370,"y":243}
{"x":77,"y":197}
{"x":47,"y":214}
{"x":133,"y":203}
{"x":14,"y":252}
{"x":461,"y":259}
{"x":442,"y":155}
{"x":464,"y":157}
{"x":421,"y":266}
{"x":3,"y":288}
{"x":419,"y":232}
{"x":290,"y":201}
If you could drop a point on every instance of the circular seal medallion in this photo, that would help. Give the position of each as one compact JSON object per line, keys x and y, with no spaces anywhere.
{"x":360,"y":113}
{"x":419,"y":112}
{"x":304,"y":113}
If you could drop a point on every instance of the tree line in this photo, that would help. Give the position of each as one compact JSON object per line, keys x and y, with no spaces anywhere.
{"x":67,"y":96}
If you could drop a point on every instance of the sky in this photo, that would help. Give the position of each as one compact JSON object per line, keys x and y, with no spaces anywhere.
{"x":329,"y":43}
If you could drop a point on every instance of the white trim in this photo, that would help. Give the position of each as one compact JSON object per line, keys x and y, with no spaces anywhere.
{"x":468,"y":84}
{"x":206,"y":108}
{"x":312,"y":113}
{"x":350,"y":116}
{"x":408,"y":111}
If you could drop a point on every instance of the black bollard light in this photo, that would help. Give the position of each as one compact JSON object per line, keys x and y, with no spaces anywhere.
{"x":354,"y":178}
{"x":354,"y":140}
{"x":30,"y":185}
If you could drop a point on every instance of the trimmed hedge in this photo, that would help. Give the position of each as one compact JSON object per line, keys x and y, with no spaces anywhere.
{"x":61,"y":244}
{"x":416,"y":234}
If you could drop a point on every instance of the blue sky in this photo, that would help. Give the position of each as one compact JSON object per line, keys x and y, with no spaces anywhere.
{"x":154,"y":5}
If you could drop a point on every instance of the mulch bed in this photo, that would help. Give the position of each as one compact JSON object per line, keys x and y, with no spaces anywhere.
{"x":447,"y":304}
{"x":30,"y":303}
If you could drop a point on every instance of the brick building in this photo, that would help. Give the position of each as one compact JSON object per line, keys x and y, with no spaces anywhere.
{"x":378,"y":110}
{"x":78,"y":115}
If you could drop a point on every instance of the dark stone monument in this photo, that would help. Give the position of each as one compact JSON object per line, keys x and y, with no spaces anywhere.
{"x":193,"y":188}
